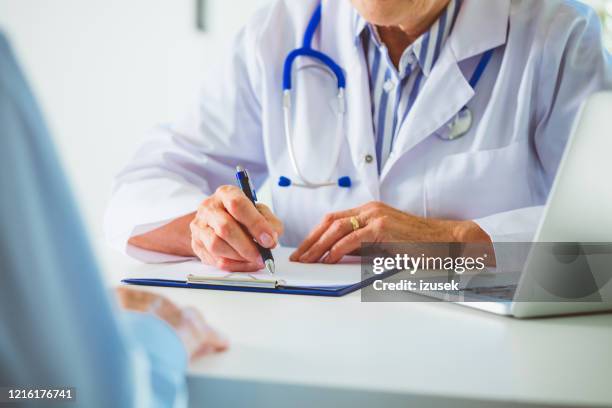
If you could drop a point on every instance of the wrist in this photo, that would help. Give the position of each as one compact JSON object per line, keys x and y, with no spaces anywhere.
{"x":468,"y":231}
{"x":173,"y":238}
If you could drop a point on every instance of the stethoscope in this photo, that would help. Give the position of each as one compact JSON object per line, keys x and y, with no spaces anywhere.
{"x":459,"y":126}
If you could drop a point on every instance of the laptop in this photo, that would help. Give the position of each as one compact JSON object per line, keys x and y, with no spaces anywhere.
{"x":568,"y":268}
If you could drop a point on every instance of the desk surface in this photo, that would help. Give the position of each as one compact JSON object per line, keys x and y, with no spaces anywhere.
{"x":408,"y":348}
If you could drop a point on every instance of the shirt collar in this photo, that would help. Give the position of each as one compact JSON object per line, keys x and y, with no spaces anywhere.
{"x":427,"y":47}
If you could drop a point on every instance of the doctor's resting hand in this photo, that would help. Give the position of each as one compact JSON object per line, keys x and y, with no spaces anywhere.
{"x":219,"y":233}
{"x":342,"y":233}
{"x":197,"y":336}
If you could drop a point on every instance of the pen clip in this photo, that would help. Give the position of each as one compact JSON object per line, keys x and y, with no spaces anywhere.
{"x":243,"y":177}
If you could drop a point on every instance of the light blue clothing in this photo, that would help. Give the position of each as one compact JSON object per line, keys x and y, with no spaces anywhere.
{"x":394,"y":90}
{"x":57,"y":325}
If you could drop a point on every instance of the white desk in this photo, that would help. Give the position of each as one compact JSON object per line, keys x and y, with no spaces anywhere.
{"x":341,"y":352}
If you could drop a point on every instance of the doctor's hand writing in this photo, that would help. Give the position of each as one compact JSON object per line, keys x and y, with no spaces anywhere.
{"x":223,"y":227}
{"x":342,"y":233}
{"x":220,"y":232}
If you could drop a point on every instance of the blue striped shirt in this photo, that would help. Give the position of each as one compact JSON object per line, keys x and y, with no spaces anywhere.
{"x":394,"y":90}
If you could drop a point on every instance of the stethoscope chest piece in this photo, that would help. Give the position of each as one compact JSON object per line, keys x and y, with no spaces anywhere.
{"x":458,"y":127}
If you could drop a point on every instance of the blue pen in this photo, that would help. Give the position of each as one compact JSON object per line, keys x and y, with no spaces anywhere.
{"x":245,"y":185}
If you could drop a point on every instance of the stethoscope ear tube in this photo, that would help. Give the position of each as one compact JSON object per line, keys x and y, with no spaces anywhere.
{"x":337,"y":143}
{"x":307,"y":51}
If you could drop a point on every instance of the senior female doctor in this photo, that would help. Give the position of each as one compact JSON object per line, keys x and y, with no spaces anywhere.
{"x":403,"y":120}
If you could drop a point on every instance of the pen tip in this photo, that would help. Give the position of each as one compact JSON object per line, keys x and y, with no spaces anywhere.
{"x":239,"y":169}
{"x":270,"y":266}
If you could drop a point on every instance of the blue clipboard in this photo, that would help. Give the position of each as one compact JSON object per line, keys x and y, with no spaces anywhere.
{"x":334,"y":291}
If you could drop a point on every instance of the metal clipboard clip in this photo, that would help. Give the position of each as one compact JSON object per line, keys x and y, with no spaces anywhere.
{"x":235,"y":279}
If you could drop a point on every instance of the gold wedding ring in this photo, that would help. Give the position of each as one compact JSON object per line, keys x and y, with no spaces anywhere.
{"x":355,"y":223}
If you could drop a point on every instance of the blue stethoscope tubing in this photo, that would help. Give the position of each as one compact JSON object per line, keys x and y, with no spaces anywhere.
{"x":306,"y":50}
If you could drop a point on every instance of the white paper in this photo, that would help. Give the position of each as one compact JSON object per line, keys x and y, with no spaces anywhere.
{"x":346,"y":273}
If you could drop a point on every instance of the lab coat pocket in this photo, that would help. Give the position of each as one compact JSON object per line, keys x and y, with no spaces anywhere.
{"x":475,"y":184}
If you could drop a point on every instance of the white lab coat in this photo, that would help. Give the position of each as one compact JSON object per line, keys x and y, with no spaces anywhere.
{"x":548,"y":58}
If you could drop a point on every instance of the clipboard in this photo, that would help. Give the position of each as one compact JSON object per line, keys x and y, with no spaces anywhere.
{"x":328,"y":291}
{"x":291,"y":278}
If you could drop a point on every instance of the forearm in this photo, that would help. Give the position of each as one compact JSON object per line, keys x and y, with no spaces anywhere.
{"x":173,"y":238}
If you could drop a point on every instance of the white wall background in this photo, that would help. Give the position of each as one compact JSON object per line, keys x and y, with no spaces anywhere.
{"x":105,"y":71}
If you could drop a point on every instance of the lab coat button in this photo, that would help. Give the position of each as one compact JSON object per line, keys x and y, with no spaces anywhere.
{"x":388,"y":85}
{"x":368,"y":158}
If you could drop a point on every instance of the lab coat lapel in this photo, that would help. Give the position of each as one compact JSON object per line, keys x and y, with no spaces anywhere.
{"x":444,"y":93}
{"x":338,"y":41}
{"x":481,"y":25}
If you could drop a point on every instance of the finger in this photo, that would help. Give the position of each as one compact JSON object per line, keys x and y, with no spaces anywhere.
{"x":316,"y":233}
{"x":212,"y":340}
{"x":348,"y":244}
{"x":231,"y":265}
{"x":201,"y":252}
{"x":207,"y":340}
{"x":211,"y":343}
{"x":336,"y":231}
{"x":276,"y":223}
{"x":242,"y":210}
{"x":167,"y":311}
{"x":216,"y":246}
{"x":230,"y":231}
{"x":225,"y":264}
